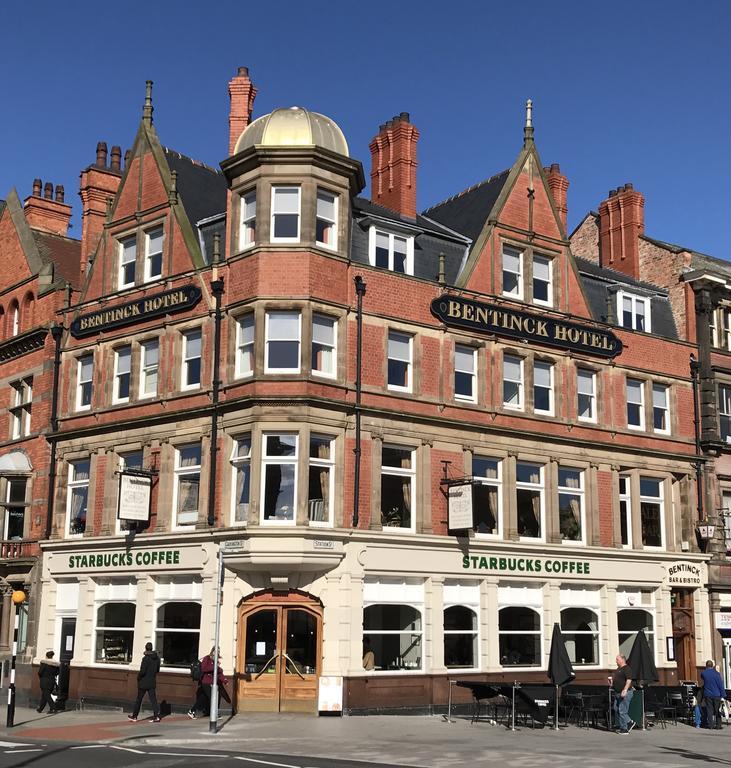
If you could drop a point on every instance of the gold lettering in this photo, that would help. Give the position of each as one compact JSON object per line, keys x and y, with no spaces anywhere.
{"x":454,"y":309}
{"x":559,"y":332}
{"x":529,"y":325}
{"x":542,"y":329}
{"x":573,"y":335}
{"x":516,"y":323}
{"x":468,"y":312}
{"x":481,"y":315}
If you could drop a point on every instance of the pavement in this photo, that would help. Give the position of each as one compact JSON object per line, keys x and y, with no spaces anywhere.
{"x":428,"y":741}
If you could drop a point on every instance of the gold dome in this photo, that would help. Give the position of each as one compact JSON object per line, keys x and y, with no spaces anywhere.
{"x":293,"y":127}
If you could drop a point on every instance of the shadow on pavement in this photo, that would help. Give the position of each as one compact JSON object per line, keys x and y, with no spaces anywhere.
{"x":689,"y":754}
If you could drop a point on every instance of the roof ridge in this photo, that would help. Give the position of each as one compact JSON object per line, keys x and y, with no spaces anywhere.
{"x":465,"y":191}
{"x":603,"y":268}
{"x":56,"y":235}
{"x":181,"y":156}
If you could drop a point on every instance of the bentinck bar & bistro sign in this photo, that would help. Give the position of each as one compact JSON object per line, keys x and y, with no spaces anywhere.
{"x":137,"y":311}
{"x":501,"y":321}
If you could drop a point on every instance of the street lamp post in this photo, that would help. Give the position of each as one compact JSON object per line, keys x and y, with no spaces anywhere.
{"x":18,"y":598}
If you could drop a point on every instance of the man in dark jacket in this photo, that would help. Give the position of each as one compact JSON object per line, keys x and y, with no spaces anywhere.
{"x":713,"y":692}
{"x":146,"y":682}
{"x":47,"y":673}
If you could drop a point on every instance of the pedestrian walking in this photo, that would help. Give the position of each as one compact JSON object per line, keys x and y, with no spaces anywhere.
{"x":208,"y":666}
{"x":146,"y":683}
{"x":47,"y":674}
{"x":621,"y":682}
{"x":713,"y":693}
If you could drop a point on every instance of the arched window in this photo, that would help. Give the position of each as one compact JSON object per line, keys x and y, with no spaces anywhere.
{"x":115,"y":632}
{"x":14,"y":319}
{"x":28,"y":310}
{"x":629,"y":622}
{"x":178,"y":633}
{"x":460,"y":637}
{"x":580,"y":628}
{"x":393,"y":633}
{"x":520,"y":637}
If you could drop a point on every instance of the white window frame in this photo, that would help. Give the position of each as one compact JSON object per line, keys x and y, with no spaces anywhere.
{"x":496,"y":483}
{"x":659,"y":500}
{"x":409,"y":362}
{"x":419,"y":608}
{"x":22,"y":404}
{"x":724,"y":411}
{"x":648,"y":609}
{"x":402,"y":472}
{"x":72,"y":484}
{"x":726,"y":516}
{"x":245,"y":347}
{"x":186,"y":360}
{"x":146,"y":369}
{"x":549,"y":262}
{"x":581,"y":493}
{"x":331,"y":374}
{"x":626,"y":499}
{"x":328,"y":464}
{"x":725,"y":328}
{"x":656,"y":387}
{"x":408,"y":264}
{"x":541,"y":488}
{"x":544,"y":364}
{"x":98,"y":604}
{"x":149,"y":277}
{"x":273,"y":460}
{"x":245,"y":240}
{"x":635,"y":300}
{"x":274,"y":212}
{"x":237,"y":463}
{"x":180,"y":472}
{"x":521,"y":264}
{"x":641,"y":404}
{"x":9,"y":505}
{"x":119,"y":352}
{"x":596,"y":610}
{"x":475,"y":610}
{"x":267,"y":340}
{"x":331,"y":223}
{"x":159,"y":602}
{"x":81,"y":383}
{"x":520,"y":405}
{"x":586,"y":374}
{"x":500,"y":632}
{"x":121,"y":284}
{"x":466,"y":350}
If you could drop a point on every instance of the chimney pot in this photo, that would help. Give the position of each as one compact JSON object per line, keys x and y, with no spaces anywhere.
{"x":242,"y":71}
{"x":612,"y":193}
{"x":48,"y":191}
{"x":127,"y":156}
{"x":628,"y":187}
{"x":381,"y":127}
{"x":555,"y":167}
{"x":101,"y":154}
{"x":405,"y":116}
{"x":116,"y":158}
{"x":37,"y":184}
{"x":59,"y":193}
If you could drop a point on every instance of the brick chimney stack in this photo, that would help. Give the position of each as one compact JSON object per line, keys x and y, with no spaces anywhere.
{"x":47,"y":213}
{"x":242,"y":93}
{"x":99,"y":182}
{"x":393,"y":165}
{"x":559,"y":186}
{"x":621,"y":222}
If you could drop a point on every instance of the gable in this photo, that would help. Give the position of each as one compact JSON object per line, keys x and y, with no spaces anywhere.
{"x":18,"y":252}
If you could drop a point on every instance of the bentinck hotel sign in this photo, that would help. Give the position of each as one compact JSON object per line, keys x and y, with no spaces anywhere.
{"x":501,"y":321}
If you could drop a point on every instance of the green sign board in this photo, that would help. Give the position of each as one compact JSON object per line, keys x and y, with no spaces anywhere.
{"x":554,"y":566}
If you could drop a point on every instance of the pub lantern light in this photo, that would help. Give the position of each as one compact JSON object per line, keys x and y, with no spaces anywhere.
{"x":705,"y":531}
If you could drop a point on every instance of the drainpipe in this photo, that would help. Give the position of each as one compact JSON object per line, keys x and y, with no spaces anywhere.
{"x":56,"y":333}
{"x":694,"y":375}
{"x":217,"y":289}
{"x":360,"y":289}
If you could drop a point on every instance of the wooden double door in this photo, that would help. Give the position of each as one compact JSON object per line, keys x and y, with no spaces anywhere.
{"x":280,"y":656}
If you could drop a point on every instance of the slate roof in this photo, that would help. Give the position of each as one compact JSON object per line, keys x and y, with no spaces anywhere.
{"x":202,"y":189}
{"x":64,"y":252}
{"x":467,"y":212}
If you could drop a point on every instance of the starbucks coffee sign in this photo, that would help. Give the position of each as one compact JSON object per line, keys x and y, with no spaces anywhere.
{"x":555,"y":566}
{"x":126,"y":560}
{"x":550,"y":331}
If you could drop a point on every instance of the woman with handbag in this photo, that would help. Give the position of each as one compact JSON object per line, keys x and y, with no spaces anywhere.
{"x":47,"y":674}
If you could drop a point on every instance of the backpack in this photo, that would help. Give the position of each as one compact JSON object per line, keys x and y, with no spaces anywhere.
{"x":195,"y":670}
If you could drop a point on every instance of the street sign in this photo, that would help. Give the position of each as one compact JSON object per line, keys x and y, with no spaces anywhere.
{"x":233,"y":546}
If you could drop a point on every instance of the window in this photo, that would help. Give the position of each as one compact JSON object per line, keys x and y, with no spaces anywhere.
{"x":321,"y":479}
{"x":154,"y":240}
{"x":393,"y":633}
{"x":625,"y":510}
{"x":149,"y":364}
{"x":635,"y":404}
{"x":724,"y":412}
{"x":543,"y":387}
{"x":279,"y":489}
{"x":327,"y":218}
{"x":127,"y":261}
{"x":85,"y":373}
{"x":465,"y":365}
{"x":726,"y":517}
{"x":660,"y":412}
{"x":15,"y":319}
{"x":513,"y":382}
{"x":20,"y":412}
{"x":397,"y":487}
{"x":282,"y":342}
{"x":15,"y":506}
{"x":529,"y":493}
{"x":122,"y":368}
{"x":571,"y":505}
{"x":586,"y":394}
{"x":460,"y":637}
{"x":519,"y":632}
{"x":323,"y":345}
{"x":191,"y":376}
{"x":115,"y":631}
{"x":542,"y":281}
{"x":629,"y":622}
{"x":177,"y":636}
{"x":241,"y":463}
{"x":633,"y":311}
{"x":580,"y":629}
{"x":187,"y":483}
{"x":392,"y":252}
{"x":77,"y":497}
{"x":512,"y":273}
{"x":487,"y":496}
{"x":285,"y":214}
{"x":248,"y":220}
{"x":652,"y":512}
{"x":399,"y":361}
{"x":726,"y":328}
{"x":245,"y":345}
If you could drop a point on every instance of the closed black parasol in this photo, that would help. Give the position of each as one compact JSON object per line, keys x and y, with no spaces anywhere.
{"x":560,"y":671}
{"x":641,"y":661}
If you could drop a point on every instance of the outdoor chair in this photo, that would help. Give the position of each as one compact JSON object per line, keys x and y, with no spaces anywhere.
{"x":655,"y":706}
{"x":595,"y":709}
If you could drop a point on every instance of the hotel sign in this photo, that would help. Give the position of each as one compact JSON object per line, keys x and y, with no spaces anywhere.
{"x":525,"y":326}
{"x":132,"y":312}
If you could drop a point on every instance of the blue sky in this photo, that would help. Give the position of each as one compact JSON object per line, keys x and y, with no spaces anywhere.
{"x":623,"y":92}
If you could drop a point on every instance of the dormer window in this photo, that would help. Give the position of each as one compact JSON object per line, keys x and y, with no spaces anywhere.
{"x":391,"y":251}
{"x":248,"y":220}
{"x":154,"y":240}
{"x":633,"y":311}
{"x":285,"y":214}
{"x":326,"y":222}
{"x":127,"y":261}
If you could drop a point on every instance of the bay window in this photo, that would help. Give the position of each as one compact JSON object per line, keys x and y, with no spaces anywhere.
{"x":724,"y":412}
{"x":247,"y":236}
{"x":324,"y":353}
{"x":241,"y":463}
{"x":285,"y":227}
{"x":245,"y":345}
{"x":279,"y":482}
{"x":283,"y":342}
{"x":326,"y":219}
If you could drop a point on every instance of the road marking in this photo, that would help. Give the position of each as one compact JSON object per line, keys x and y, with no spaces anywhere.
{"x":266,"y":762}
{"x":127,"y":749}
{"x":16,"y":751}
{"x":91,"y":746}
{"x":13,"y":744}
{"x":183,"y":754}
